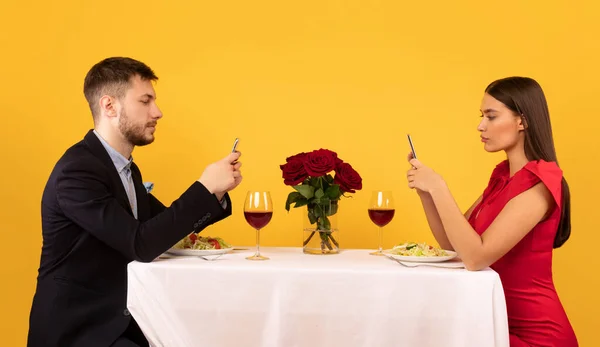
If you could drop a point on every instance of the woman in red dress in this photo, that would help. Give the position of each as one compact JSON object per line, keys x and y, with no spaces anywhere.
{"x":521,"y":216}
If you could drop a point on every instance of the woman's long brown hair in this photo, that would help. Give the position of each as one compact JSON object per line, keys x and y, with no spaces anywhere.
{"x":525,"y":97}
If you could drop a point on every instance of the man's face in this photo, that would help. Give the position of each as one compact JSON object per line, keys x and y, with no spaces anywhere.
{"x":138,"y":113}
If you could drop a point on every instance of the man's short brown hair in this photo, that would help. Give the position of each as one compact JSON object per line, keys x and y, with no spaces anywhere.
{"x":111,"y":77}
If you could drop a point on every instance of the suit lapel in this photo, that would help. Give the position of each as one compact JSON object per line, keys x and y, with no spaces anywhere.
{"x":96,"y":147}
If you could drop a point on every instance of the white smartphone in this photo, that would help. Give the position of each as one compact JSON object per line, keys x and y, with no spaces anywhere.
{"x":412,"y":148}
{"x":235,"y":143}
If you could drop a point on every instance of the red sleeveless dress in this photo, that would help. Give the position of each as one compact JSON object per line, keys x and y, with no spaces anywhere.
{"x":535,"y":315}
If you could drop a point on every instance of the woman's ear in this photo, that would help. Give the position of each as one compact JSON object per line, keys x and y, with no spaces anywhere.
{"x":523,"y":123}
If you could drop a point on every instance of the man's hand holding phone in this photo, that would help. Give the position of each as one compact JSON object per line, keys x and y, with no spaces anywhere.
{"x":224,"y":175}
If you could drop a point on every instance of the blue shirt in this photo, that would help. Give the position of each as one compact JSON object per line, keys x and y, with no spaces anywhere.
{"x":123,"y":166}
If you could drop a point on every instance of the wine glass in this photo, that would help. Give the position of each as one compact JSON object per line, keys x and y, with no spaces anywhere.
{"x":381,"y":212}
{"x":258,"y":211}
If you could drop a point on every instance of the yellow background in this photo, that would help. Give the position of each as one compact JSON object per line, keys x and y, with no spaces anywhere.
{"x":291,"y":76}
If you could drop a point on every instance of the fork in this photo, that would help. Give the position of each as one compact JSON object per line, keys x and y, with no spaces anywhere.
{"x":424,"y":264}
{"x":396,"y":260}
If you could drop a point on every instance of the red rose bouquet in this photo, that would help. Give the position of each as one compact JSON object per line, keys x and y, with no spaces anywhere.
{"x":309,"y":174}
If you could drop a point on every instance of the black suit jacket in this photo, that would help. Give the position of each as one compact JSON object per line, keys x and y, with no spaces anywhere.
{"x":89,"y":237}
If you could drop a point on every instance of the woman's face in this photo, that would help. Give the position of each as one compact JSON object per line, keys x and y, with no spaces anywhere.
{"x":500,"y":128}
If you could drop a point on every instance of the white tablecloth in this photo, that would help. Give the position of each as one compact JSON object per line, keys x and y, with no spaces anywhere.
{"x":349,"y":299}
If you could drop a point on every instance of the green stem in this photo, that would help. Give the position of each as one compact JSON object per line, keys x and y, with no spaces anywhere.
{"x":334,"y":241}
{"x":308,"y":239}
{"x":325,"y":240}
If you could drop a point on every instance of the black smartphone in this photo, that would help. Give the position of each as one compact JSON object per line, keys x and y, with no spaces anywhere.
{"x":412,"y":147}
{"x":235,"y":143}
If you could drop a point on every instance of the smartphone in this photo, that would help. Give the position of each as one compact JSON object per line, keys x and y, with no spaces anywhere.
{"x":412,"y":148}
{"x":235,"y":143}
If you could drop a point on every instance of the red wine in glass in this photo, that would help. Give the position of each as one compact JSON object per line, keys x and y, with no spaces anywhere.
{"x":258,"y":211}
{"x":380,"y":216}
{"x":381,"y":211}
{"x":258,"y":220}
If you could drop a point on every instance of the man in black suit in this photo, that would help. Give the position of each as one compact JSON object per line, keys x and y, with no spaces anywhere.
{"x":97,"y":216}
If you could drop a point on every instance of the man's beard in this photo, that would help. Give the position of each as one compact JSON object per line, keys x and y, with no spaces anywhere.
{"x":135,"y":133}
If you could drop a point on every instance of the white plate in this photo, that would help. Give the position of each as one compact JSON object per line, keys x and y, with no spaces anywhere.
{"x":416,"y":259}
{"x":198,"y":252}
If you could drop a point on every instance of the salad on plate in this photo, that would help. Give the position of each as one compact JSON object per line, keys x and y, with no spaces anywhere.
{"x":419,"y":252}
{"x":194,"y":244}
{"x":414,"y":249}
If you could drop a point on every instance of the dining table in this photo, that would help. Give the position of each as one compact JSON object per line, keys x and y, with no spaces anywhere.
{"x":296,"y":299}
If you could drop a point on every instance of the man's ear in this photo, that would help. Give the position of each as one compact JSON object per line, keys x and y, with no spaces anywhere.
{"x":108,"y":106}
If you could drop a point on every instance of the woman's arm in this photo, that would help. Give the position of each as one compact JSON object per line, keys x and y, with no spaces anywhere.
{"x":434,"y":221}
{"x":517,"y":218}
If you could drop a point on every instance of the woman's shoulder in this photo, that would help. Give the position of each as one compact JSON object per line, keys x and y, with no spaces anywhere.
{"x":539,"y":168}
{"x":544,"y":169}
{"x":540,"y":171}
